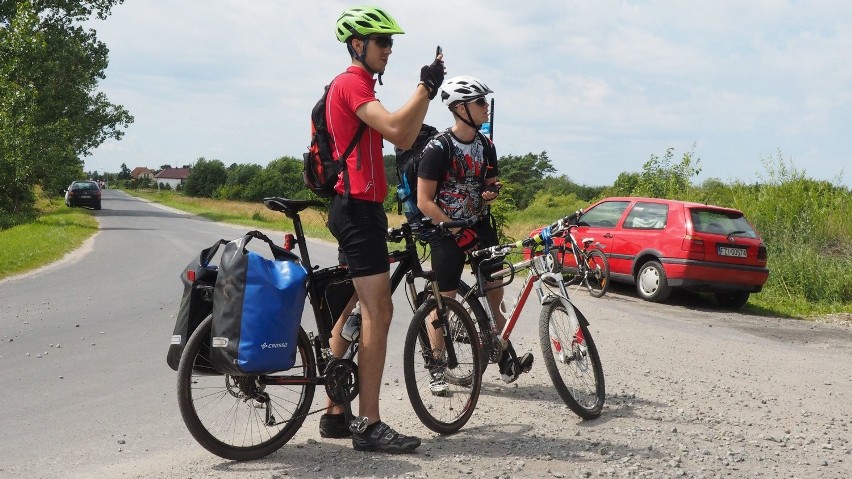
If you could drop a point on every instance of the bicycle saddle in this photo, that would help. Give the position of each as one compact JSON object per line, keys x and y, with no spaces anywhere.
{"x":289,"y":206}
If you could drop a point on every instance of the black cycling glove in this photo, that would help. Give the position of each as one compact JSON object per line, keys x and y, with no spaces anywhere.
{"x":432,"y":76}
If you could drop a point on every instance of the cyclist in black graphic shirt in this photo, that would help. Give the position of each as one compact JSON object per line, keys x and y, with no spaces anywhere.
{"x":457,"y":179}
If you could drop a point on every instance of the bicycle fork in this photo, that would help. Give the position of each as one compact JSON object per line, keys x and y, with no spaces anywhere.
{"x":441,"y":324}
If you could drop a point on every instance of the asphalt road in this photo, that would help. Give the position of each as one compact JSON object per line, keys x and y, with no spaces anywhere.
{"x":82,"y":357}
{"x":692,"y":391}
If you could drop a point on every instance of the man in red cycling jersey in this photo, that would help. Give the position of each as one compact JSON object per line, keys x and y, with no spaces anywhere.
{"x":356,"y":217}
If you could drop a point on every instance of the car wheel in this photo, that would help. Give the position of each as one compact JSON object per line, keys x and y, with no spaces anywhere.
{"x":735,"y":300}
{"x":651,"y":283}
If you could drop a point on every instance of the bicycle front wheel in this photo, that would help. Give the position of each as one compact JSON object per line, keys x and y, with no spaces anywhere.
{"x":597,"y":272}
{"x":242,"y":418}
{"x":443,"y":395}
{"x":572,"y":361}
{"x":490,"y":349}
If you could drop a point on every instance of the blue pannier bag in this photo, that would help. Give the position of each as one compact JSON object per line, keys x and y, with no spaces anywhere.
{"x":257,"y":309}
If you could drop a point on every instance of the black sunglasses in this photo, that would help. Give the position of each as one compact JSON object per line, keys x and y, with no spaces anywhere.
{"x":382,"y":41}
{"x":481,"y":101}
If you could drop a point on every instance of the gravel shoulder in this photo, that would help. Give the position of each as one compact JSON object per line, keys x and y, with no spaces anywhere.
{"x":691,"y":392}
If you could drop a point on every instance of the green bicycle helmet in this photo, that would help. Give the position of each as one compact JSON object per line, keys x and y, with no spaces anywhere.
{"x":364,"y":20}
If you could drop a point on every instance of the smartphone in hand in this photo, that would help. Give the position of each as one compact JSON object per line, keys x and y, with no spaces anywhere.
{"x":494,"y":187}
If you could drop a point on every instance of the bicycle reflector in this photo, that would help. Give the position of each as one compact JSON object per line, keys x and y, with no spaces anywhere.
{"x":288,"y":241}
{"x":190,"y":276}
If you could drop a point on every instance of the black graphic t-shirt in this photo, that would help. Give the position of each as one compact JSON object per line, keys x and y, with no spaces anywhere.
{"x":461,"y":174}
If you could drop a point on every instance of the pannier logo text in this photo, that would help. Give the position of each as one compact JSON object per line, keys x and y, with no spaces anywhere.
{"x":273,"y":345}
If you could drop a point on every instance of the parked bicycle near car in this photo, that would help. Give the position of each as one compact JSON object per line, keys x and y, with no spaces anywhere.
{"x":585,"y":265}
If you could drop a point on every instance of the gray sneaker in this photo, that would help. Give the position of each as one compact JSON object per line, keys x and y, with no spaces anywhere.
{"x":437,"y":384}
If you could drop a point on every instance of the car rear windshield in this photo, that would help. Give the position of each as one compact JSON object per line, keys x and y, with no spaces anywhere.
{"x":605,"y":214}
{"x":85,"y":186}
{"x":726,"y":223}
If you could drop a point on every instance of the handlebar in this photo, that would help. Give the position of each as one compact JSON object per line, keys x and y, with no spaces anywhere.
{"x":425,"y":227}
{"x":545,"y":236}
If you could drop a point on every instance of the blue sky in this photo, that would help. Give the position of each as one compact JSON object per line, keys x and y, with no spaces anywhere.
{"x":599,"y":85}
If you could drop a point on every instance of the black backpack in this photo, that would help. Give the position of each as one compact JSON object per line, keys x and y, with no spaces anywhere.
{"x":407,"y":162}
{"x":321,"y":168}
{"x":406,"y":170}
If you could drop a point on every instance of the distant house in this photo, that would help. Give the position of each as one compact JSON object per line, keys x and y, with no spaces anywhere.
{"x":140,"y":172}
{"x":172,"y":177}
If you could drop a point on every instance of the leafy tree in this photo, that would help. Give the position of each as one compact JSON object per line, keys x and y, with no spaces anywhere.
{"x":661,"y":178}
{"x":281,"y":177}
{"x":206,"y":177}
{"x":564,"y":186}
{"x":50,"y":113}
{"x":125,"y":172}
{"x":239,"y":176}
{"x":523,"y":176}
{"x":625,"y":185}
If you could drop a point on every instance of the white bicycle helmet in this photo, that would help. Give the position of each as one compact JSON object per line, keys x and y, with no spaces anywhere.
{"x":463,"y":89}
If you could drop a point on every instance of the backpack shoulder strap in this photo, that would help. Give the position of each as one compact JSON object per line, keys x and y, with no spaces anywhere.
{"x":446,"y":141}
{"x":348,"y":151}
{"x":489,"y":150}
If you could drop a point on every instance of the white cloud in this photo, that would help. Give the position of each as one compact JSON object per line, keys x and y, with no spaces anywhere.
{"x":604,"y":84}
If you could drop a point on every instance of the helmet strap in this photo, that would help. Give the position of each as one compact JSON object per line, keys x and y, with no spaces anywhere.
{"x":467,"y":121}
{"x":362,"y":57}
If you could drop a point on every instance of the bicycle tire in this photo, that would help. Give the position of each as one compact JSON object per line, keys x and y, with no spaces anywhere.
{"x":229,"y":423}
{"x":481,"y":322}
{"x":596,"y":276}
{"x":578,"y":374}
{"x":444,"y":414}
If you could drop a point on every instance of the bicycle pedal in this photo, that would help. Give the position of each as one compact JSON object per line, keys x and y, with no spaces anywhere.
{"x":526,"y":362}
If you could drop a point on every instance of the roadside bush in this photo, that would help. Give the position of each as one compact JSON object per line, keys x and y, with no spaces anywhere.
{"x":807,"y":227}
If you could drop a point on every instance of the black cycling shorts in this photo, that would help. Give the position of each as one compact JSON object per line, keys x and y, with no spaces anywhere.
{"x":361,"y":229}
{"x":448,"y":259}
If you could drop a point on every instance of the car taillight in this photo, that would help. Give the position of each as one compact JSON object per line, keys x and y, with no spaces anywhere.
{"x":761,"y":253}
{"x":693,"y":244}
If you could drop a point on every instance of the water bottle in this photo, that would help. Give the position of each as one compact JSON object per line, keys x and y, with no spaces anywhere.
{"x":352,"y":327}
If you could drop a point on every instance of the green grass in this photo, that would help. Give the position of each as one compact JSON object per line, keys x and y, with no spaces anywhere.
{"x":56,"y":232}
{"x":254,"y":215}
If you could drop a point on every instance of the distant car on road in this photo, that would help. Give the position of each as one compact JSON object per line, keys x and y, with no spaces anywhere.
{"x":83,"y":193}
{"x":659,"y":244}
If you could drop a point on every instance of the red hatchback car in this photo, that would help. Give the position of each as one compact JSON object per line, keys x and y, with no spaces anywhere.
{"x":660,"y":244}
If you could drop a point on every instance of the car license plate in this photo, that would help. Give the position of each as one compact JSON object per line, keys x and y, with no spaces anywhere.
{"x":728,"y":251}
{"x":85,"y":197}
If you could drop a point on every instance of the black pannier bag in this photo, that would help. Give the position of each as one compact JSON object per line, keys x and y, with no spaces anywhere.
{"x":198,"y":279}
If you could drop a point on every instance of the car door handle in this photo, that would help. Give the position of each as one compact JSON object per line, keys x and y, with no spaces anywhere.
{"x":607,"y":235}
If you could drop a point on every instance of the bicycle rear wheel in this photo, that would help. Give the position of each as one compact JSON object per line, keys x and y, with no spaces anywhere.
{"x":597,"y":273}
{"x":242,"y":417}
{"x":447,"y":408}
{"x":572,"y":361}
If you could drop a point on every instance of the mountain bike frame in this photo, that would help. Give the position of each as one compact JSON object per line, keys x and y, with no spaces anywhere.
{"x":408,"y":268}
{"x":544,"y":274}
